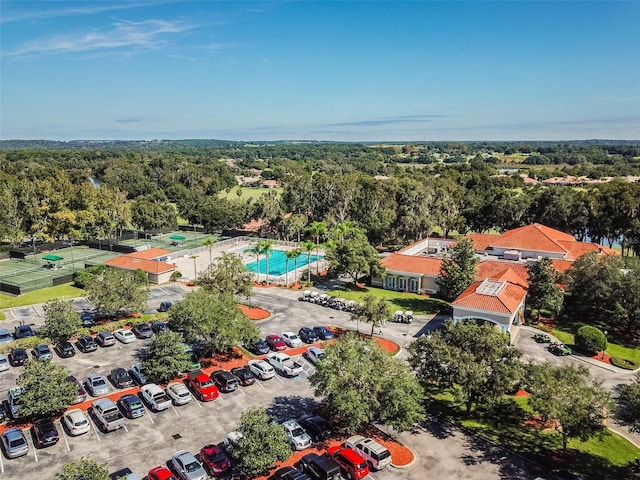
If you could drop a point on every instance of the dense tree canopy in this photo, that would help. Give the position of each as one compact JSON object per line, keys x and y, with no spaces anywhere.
{"x":61,"y":322}
{"x":543,"y":291}
{"x":630,"y":403}
{"x":458,"y":270}
{"x":113,"y":290}
{"x":166,"y":358}
{"x":227,"y":274}
{"x":83,"y":469}
{"x":46,"y":389}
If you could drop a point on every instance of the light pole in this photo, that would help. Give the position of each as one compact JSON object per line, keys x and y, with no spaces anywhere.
{"x":605,"y":341}
{"x":195,"y":269}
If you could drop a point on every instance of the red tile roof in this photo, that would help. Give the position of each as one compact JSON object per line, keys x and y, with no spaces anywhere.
{"x":481,"y":241}
{"x":506,"y":301}
{"x":534,"y":237}
{"x":411,"y":264}
{"x":576,"y":249}
{"x":149,"y":254}
{"x":127,"y":262}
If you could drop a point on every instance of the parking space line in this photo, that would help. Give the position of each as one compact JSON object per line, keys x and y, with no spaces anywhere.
{"x":259,"y":383}
{"x":125,"y":428}
{"x":95,"y":431}
{"x":35,"y":453}
{"x":279,"y":379}
{"x":150,"y":418}
{"x":240,"y":390}
{"x":197,"y":402}
{"x":175,"y":411}
{"x":64,"y":435}
{"x":1,"y":465}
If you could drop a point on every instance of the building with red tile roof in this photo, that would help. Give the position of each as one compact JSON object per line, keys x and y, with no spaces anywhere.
{"x":152,"y":261}
{"x":499,"y":293}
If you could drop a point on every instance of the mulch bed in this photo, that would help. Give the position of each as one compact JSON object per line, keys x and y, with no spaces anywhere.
{"x":387,"y":345}
{"x":254,"y":313}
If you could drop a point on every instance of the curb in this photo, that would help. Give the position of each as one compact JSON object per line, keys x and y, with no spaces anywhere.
{"x":624,"y":435}
{"x":401,"y":467}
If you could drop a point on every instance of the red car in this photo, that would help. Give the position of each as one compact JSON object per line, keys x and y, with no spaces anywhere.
{"x":350,"y":462}
{"x":203,"y":387}
{"x":160,"y":473}
{"x":276,"y":342}
{"x":214,"y":460}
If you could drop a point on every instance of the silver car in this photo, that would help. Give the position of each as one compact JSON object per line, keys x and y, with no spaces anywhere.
{"x":76,"y":422}
{"x":188,"y":467}
{"x":4,"y":362}
{"x":97,"y":385}
{"x":14,"y":443}
{"x":179,"y":393}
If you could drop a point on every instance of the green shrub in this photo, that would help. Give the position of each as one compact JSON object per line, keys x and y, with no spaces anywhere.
{"x":175,"y":275}
{"x":623,"y":363}
{"x":590,"y":340}
{"x":27,"y":343}
{"x":81,"y":277}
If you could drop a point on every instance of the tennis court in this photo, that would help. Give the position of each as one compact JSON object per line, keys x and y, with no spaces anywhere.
{"x":47,"y":269}
{"x":172,"y":241}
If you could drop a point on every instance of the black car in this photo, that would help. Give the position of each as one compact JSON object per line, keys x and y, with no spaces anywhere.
{"x":158,"y":327}
{"x":244,"y":376}
{"x":290,"y":473}
{"x":259,"y":347}
{"x":131,"y":406}
{"x":86,"y":344}
{"x":164,"y":306}
{"x":65,"y":350}
{"x":323,"y":332}
{"x":318,"y":428}
{"x":121,"y":378}
{"x":45,"y":432}
{"x":23,"y":331}
{"x":225,"y":381}
{"x":142,"y":331}
{"x":308,"y":335}
{"x":18,"y":356}
{"x":88,"y":319}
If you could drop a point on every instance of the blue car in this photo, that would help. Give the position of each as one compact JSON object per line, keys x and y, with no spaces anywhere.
{"x":131,"y":406}
{"x":323,"y":332}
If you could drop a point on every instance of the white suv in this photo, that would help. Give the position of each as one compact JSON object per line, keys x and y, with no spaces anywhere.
{"x":261,"y":369}
{"x":375,"y":454}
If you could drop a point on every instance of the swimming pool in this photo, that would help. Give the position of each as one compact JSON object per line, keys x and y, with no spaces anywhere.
{"x":278,"y":263}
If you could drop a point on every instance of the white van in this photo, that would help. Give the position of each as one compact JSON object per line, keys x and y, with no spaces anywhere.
{"x":376,"y":455}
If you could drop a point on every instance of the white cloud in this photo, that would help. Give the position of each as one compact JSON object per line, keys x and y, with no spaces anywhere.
{"x":145,"y":35}
{"x":72,"y":11}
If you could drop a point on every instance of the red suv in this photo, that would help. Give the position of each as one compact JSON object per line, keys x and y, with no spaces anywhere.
{"x":202,"y":386}
{"x":276,"y":342}
{"x":350,"y":462}
{"x":214,"y":460}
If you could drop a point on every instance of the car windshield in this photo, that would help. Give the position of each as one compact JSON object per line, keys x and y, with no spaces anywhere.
{"x":297,"y":432}
{"x":192,"y":467}
{"x":216,"y":456}
{"x":18,"y":442}
{"x":80,"y":423}
{"x":381,"y":455}
{"x":98,"y":381}
{"x":361,"y":465}
{"x":206,"y":383}
{"x":135,"y":405}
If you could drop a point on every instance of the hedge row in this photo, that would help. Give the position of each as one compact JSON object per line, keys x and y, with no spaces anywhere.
{"x":623,"y":363}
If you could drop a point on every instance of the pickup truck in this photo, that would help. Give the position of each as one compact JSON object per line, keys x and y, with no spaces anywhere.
{"x":203,"y":387}
{"x":155,"y":397}
{"x":107,"y":414}
{"x":283,"y":364}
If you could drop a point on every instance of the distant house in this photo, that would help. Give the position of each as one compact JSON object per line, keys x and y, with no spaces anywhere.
{"x":499,"y":293}
{"x":153,"y":261}
{"x":270,"y":183}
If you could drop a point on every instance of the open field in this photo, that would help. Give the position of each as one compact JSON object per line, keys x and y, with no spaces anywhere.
{"x":247,"y":192}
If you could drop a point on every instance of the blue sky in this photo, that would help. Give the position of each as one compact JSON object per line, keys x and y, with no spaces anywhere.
{"x":353,"y":71}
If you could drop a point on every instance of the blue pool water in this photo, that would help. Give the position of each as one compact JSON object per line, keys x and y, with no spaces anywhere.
{"x":278,"y":263}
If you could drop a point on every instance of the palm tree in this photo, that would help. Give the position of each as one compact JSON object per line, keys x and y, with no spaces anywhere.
{"x":209,"y":242}
{"x":257,"y":252}
{"x":266,"y":246}
{"x":318,"y":229}
{"x":290,"y":255}
{"x":195,"y":268}
{"x":307,"y":247}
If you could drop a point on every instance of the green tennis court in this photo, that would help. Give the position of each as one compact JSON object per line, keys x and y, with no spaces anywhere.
{"x":172,"y":241}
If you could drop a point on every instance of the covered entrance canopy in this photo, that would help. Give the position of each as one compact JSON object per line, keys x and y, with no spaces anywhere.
{"x":52,"y":258}
{"x":177,"y":237}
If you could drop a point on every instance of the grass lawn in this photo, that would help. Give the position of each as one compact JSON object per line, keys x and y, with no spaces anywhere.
{"x":247,"y":192}
{"x":40,"y":296}
{"x":419,"y":304}
{"x":613,"y":349}
{"x":504,"y":424}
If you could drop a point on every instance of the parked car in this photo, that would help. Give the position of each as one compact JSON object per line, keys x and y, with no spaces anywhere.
{"x":291,"y":339}
{"x":290,"y":473}
{"x":261,"y":369}
{"x":164,"y":306}
{"x":323,"y":332}
{"x":258,"y":346}
{"x":131,"y":406}
{"x":276,"y":342}
{"x":105,"y":339}
{"x":157,"y":327}
{"x":125,"y":336}
{"x":376,"y":455}
{"x":351,"y":464}
{"x":23,"y":331}
{"x":202,"y":386}
{"x":318,"y":428}
{"x":81,"y":396}
{"x":45,"y":432}
{"x":214,"y":460}
{"x":124,"y":474}
{"x":320,"y":467}
{"x":160,"y":473}
{"x":284,"y":364}
{"x":315,"y":354}
{"x":121,"y":378}
{"x":298,"y":438}
{"x":541,"y":338}
{"x":14,"y":443}
{"x":75,"y":422}
{"x":4,"y":362}
{"x":13,"y":401}
{"x":142,"y":330}
{"x":41,"y":352}
{"x":187,"y":466}
{"x":225,"y":381}
{"x":107,"y":415}
{"x":178,"y":393}
{"x":18,"y":356}
{"x":194,"y":361}
{"x":86,"y":344}
{"x":308,"y":335}
{"x":560,"y":349}
{"x":5,"y":335}
{"x":65,"y":350}
{"x":155,"y":397}
{"x":244,"y":376}
{"x":137,"y":375}
{"x":97,"y":385}
{"x":88,"y":318}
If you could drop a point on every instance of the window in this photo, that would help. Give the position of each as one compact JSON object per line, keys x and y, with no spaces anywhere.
{"x":413,"y":285}
{"x":391,"y":282}
{"x":402,"y":283}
